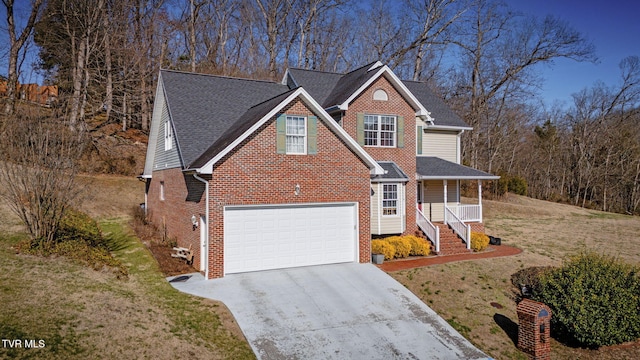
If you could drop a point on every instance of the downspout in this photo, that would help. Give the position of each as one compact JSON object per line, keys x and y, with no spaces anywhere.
{"x":206,"y":231}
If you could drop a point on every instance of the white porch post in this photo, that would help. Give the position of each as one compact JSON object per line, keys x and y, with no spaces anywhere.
{"x":480,"y":197}
{"x":444,"y":183}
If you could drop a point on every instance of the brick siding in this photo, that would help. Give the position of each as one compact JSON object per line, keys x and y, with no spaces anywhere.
{"x":183,"y":198}
{"x":405,"y":157}
{"x":253,"y":173}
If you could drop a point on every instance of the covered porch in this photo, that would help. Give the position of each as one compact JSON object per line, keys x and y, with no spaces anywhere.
{"x":439,"y":201}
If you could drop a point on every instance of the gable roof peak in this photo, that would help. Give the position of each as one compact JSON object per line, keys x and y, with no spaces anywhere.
{"x":375,"y":65}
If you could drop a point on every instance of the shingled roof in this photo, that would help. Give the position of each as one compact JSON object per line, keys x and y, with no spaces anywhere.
{"x":331,"y":89}
{"x":239,"y":127}
{"x":440,"y":112}
{"x":434,"y":168}
{"x":204,"y":107}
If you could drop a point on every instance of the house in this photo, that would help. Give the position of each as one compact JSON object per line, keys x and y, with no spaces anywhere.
{"x":254,"y":175}
{"x":45,"y":95}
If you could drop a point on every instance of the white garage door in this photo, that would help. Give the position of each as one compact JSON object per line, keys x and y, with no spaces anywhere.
{"x":282,"y":236}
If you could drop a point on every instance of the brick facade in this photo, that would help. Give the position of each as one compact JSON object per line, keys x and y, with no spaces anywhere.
{"x":253,"y":173}
{"x":183,"y":198}
{"x":404,"y":157}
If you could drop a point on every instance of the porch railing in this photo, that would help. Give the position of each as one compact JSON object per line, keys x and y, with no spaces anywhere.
{"x":432,"y":231}
{"x":467,"y":212}
{"x":463,"y":230}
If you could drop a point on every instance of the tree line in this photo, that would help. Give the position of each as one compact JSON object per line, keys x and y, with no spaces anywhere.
{"x":481,"y":56}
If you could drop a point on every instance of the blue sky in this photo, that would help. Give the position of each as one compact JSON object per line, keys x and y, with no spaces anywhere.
{"x":614,"y":28}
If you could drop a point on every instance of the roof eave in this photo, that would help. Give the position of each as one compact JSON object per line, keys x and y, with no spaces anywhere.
{"x":453,"y":177}
{"x":449,"y":127}
{"x":397,"y":180}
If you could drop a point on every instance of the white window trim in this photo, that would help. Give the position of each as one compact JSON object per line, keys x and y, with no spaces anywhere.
{"x":161,"y":190}
{"x":397,"y":200}
{"x":304,"y":136}
{"x":379,"y":130}
{"x":168,"y":136}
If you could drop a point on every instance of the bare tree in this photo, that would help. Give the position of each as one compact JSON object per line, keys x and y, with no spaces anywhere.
{"x":500,"y":50}
{"x":16,"y":42}
{"x":274,"y":16}
{"x":38,"y":171}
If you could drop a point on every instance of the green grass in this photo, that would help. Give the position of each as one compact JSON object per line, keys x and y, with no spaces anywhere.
{"x":81,"y":313}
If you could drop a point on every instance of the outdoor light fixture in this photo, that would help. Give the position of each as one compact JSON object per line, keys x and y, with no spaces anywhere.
{"x":194,"y":221}
{"x":297,"y":191}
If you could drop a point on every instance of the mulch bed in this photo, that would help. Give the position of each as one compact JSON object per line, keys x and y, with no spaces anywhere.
{"x":491,"y":252}
{"x":169,"y":265}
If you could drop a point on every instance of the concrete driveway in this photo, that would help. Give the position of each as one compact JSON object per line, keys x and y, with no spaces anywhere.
{"x":343,"y":311}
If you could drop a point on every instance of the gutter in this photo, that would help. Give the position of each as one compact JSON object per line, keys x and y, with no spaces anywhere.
{"x":206,"y":231}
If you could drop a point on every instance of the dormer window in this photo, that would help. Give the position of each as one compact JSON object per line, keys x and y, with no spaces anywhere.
{"x":380,"y":95}
{"x":380,"y":130}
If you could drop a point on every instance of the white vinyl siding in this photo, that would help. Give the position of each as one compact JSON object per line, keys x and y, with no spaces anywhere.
{"x":433,"y":203}
{"x":387,"y":224}
{"x":440,"y":144}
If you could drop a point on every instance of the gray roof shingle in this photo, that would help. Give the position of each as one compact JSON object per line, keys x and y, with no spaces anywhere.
{"x":243,"y":124}
{"x":430,"y":167}
{"x":318,"y":84}
{"x":331,"y":89}
{"x":440,"y":112}
{"x":392,"y":173}
{"x":204,"y":107}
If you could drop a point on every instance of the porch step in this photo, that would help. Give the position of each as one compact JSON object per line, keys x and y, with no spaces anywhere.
{"x":450,"y":242}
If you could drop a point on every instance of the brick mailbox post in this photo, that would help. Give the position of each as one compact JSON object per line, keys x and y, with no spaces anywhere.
{"x":534,"y":329}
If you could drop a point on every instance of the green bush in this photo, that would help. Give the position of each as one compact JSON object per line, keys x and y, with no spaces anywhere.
{"x":402,"y":245}
{"x":419,"y":246}
{"x":518,"y":185}
{"x":76,"y":225}
{"x":80,"y":238}
{"x":383,"y":247}
{"x":479,"y":241}
{"x":595,"y":300}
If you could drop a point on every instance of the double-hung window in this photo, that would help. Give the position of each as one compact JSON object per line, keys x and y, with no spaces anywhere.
{"x":380,"y":130}
{"x":390,"y":199}
{"x":296,"y":134}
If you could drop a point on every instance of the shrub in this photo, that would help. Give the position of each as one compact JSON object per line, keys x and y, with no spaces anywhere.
{"x":76,"y":225}
{"x":383,"y":247}
{"x":479,"y":241}
{"x":595,"y":300}
{"x":518,"y":185}
{"x":402,"y":245}
{"x":530,"y":277}
{"x":419,"y":246}
{"x":79,"y":238}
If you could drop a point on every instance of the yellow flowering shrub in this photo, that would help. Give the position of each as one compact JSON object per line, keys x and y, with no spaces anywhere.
{"x":419,"y":246}
{"x":383,"y":247}
{"x":479,"y":241}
